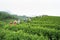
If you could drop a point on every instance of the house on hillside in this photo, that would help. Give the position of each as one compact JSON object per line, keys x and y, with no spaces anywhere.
{"x":27,"y":19}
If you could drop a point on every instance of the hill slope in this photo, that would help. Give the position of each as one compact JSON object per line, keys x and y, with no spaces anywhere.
{"x":39,"y":28}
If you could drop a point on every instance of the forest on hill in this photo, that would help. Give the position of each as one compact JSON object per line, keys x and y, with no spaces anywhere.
{"x":7,"y":16}
{"x":38,"y":28}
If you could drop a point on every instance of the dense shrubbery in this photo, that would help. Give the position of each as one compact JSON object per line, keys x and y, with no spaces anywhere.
{"x":40,"y":28}
{"x":20,"y":35}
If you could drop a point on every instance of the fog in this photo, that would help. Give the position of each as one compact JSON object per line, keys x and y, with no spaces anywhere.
{"x":31,"y":7}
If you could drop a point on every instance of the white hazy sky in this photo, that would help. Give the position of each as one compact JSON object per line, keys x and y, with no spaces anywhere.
{"x":31,"y":7}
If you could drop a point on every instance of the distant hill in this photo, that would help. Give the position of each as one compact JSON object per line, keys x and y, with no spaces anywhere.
{"x":6,"y":15}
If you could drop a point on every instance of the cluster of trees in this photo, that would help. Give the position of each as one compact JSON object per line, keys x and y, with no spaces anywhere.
{"x":4,"y":15}
{"x":7,"y":16}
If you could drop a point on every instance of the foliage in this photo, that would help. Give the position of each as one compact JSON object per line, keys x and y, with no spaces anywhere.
{"x":39,"y":28}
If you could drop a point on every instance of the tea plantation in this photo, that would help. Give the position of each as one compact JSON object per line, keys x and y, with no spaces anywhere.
{"x":39,"y":28}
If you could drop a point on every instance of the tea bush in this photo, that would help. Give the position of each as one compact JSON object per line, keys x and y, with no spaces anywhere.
{"x":40,"y":28}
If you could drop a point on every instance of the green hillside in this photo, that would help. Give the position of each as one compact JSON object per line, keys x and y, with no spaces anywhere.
{"x":39,"y":28}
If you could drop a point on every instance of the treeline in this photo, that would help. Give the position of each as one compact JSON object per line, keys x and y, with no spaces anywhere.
{"x":6,"y":15}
